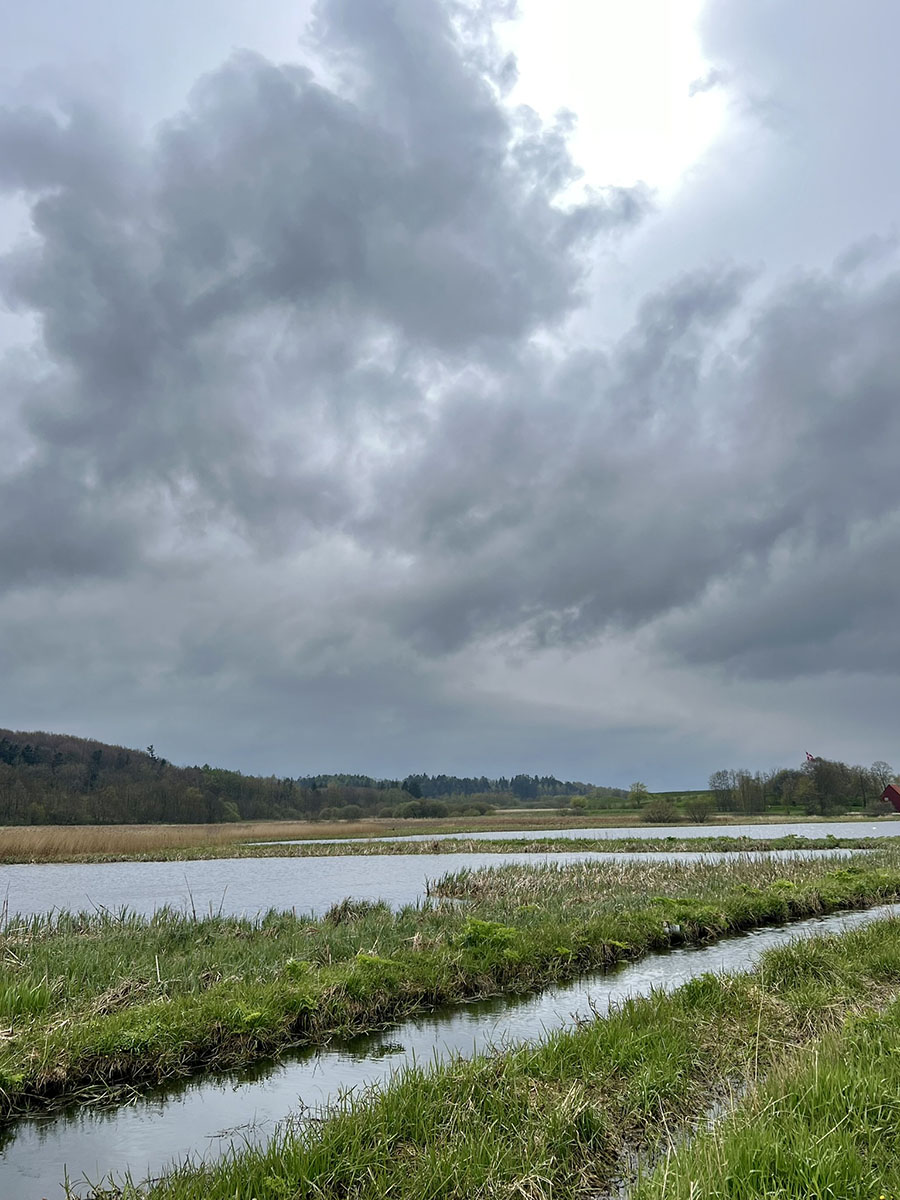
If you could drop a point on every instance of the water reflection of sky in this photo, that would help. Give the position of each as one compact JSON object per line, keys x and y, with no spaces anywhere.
{"x":883,"y":827}
{"x":252,"y":885}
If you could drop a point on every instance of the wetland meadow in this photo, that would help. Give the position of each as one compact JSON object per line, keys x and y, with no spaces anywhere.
{"x":540,"y":1015}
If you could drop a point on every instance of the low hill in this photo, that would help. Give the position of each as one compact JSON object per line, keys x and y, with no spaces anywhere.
{"x":60,"y":779}
{"x":52,"y":778}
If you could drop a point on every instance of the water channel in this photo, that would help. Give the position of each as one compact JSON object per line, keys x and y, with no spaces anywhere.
{"x":204,"y":1118}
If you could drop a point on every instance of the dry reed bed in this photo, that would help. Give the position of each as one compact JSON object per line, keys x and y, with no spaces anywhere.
{"x":60,"y":843}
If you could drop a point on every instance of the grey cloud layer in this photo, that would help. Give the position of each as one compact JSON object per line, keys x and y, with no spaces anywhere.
{"x":218,"y":306}
{"x":306,"y":316}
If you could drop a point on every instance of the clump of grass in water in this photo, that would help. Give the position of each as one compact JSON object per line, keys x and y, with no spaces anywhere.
{"x":561,"y":1118}
{"x":135,"y":1001}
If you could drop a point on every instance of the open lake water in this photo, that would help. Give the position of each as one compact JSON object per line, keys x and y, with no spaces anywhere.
{"x":249,"y":886}
{"x":882,"y":827}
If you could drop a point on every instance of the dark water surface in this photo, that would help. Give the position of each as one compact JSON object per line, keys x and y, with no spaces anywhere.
{"x":248,"y":886}
{"x":204,"y":1118}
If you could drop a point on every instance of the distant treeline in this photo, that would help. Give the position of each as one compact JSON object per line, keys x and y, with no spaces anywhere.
{"x":48,"y":778}
{"x":820,"y":786}
{"x":522,"y":788}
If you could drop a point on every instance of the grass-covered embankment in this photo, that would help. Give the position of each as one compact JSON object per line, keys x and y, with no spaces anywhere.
{"x":94,"y":1004}
{"x":570,"y":1116}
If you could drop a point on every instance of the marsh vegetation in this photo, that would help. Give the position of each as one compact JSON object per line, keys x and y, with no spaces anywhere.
{"x":96,"y":1004}
{"x":286,"y":839}
{"x":796,"y":1063}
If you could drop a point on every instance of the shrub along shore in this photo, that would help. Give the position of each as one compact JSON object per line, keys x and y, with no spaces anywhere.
{"x":805,"y":1050}
{"x":95,"y":1005}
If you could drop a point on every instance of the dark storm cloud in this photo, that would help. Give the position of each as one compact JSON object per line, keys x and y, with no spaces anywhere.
{"x":723,"y":477}
{"x":818,"y":422}
{"x":566,"y":499}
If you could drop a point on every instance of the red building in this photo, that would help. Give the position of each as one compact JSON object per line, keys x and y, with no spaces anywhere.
{"x":892,"y":794}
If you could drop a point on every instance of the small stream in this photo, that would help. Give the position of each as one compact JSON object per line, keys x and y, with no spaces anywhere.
{"x":203,"y":1118}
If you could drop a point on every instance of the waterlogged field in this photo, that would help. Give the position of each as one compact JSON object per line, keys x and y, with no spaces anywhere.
{"x":95,"y":1006}
{"x":498,"y":833}
{"x":95,"y":1003}
{"x":796,"y":1067}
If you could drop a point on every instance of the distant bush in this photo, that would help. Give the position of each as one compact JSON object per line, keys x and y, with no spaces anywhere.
{"x":422,"y":808}
{"x":660,"y":812}
{"x":342,"y":812}
{"x":699,"y":808}
{"x":879,"y":808}
{"x":350,"y":812}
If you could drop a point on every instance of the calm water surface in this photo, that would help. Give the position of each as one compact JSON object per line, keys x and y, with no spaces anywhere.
{"x":237,"y":886}
{"x":205,"y":1118}
{"x":883,"y":827}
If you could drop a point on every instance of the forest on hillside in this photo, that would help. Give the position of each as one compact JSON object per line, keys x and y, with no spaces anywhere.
{"x":49,"y":778}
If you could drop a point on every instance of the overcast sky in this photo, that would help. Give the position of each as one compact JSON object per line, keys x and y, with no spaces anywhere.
{"x":452,"y":385}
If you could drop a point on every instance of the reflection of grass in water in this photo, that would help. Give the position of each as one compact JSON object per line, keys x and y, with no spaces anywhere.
{"x":561,"y":1118}
{"x":128,"y":1001}
{"x":365,"y":1049}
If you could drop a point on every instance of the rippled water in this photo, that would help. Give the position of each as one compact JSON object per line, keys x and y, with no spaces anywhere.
{"x":204,"y":1118}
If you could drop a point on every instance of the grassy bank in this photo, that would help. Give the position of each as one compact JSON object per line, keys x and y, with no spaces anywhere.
{"x":152,"y":846}
{"x":92,"y":1005}
{"x":821,"y":1125}
{"x":120,"y":843}
{"x":570,"y":1117}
